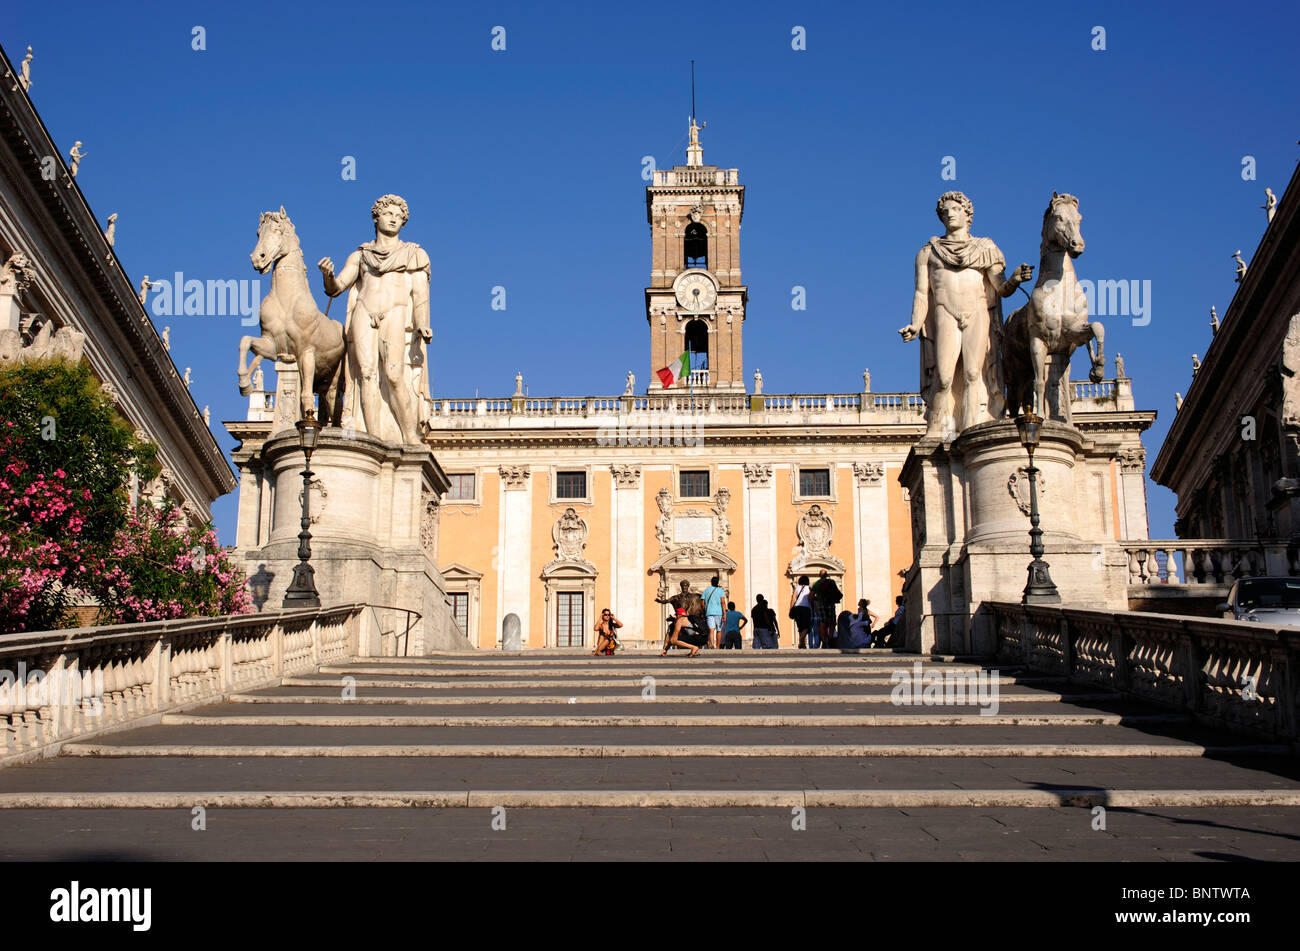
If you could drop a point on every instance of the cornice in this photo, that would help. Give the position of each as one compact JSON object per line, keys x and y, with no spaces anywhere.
{"x":27,"y":138}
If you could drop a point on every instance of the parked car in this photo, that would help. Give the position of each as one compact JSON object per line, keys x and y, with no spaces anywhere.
{"x":1266,"y":600}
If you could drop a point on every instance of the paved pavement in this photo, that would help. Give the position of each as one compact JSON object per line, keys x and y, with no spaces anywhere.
{"x":735,"y":756}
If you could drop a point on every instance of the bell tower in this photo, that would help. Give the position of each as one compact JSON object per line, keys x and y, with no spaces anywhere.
{"x":696,"y":298}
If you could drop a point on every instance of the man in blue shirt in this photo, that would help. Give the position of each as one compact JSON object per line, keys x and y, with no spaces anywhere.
{"x":735,"y":624}
{"x":713,"y":598}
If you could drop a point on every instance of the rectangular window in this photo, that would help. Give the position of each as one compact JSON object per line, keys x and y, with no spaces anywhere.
{"x":814,"y":482}
{"x":568,"y":619}
{"x":694,"y":483}
{"x":462,"y":487}
{"x":571,"y":485}
{"x":460,"y":609}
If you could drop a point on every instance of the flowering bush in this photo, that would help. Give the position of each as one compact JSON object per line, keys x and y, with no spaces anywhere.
{"x":159,"y":568}
{"x":66,"y":526}
{"x":41,"y":559}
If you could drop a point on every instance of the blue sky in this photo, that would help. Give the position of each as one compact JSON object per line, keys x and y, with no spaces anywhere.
{"x":522,"y":167}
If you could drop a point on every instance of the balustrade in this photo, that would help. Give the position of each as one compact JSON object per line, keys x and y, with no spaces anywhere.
{"x":58,"y":685}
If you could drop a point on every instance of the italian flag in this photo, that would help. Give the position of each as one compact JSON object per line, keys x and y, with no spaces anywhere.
{"x":676,"y":371}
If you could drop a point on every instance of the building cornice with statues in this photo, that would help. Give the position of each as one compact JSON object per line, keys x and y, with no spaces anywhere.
{"x":63,"y":292}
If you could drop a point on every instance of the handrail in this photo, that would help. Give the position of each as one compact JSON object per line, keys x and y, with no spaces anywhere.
{"x":406,"y":635}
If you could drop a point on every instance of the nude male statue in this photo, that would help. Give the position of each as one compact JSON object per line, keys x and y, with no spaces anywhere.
{"x":957,"y":313}
{"x":389,"y":299}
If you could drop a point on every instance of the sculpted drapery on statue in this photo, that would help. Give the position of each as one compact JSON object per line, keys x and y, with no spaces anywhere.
{"x":386,"y":391}
{"x":957,"y":314}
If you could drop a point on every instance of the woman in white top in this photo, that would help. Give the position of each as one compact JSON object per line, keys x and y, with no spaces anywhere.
{"x":801,"y":609}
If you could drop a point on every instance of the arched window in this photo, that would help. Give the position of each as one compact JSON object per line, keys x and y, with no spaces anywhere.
{"x":697,"y":342}
{"x":695,"y":247}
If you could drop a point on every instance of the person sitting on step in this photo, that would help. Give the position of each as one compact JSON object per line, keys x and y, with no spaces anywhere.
{"x":606,"y":639}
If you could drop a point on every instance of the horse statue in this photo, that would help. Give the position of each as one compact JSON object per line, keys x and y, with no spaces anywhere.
{"x":1041,"y":336}
{"x":293,"y":329}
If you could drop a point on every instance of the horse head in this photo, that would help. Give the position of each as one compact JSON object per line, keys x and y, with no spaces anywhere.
{"x":275,"y":238}
{"x":1061,"y":225}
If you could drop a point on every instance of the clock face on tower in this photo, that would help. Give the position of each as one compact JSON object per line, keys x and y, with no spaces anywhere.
{"x":695,"y":292}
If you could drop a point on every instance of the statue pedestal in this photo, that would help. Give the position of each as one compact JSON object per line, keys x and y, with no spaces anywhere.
{"x":970,"y":531}
{"x":374,"y":510}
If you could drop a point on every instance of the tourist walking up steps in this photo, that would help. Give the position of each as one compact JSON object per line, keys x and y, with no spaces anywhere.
{"x":801,"y":610}
{"x":735,"y":623}
{"x":714,"y":597}
{"x":766,"y":630}
{"x":826,"y":595}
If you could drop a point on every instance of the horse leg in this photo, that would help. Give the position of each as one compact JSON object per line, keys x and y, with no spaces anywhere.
{"x":331,"y":397}
{"x":1038,"y":360}
{"x":1099,"y":358}
{"x":307,"y":380}
{"x":261,"y":347}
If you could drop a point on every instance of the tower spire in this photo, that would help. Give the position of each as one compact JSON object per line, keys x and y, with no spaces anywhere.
{"x":694,"y":153}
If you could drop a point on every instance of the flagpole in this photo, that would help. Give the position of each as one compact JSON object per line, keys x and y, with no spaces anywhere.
{"x":690,"y":376}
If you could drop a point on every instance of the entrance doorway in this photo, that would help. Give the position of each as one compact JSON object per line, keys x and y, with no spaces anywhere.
{"x":569,"y":622}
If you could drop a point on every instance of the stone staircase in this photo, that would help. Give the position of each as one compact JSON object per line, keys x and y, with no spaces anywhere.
{"x":750,"y":754}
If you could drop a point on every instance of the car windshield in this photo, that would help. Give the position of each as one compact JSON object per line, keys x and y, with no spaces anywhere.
{"x":1262,"y":593}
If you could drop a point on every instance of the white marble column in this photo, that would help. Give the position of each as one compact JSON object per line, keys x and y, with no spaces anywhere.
{"x":514,"y":549}
{"x":871,"y":536}
{"x":761,"y":568}
{"x":628,"y":571}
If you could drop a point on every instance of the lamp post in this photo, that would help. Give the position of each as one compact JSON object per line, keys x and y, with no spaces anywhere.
{"x":302,"y":591}
{"x":1040,"y":589}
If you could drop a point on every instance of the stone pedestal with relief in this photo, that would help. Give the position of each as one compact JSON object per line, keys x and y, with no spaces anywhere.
{"x":970,"y":530}
{"x":374,"y":527}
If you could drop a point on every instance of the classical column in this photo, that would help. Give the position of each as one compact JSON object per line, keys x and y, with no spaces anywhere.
{"x":628,"y":571}
{"x":871,"y":536}
{"x":1133,"y":492}
{"x":760,"y":538}
{"x":514,"y":547}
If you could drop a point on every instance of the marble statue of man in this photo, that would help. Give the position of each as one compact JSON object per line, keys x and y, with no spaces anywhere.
{"x":1241,"y":266}
{"x":207,"y":416}
{"x":75,"y":155}
{"x":1119,"y":366}
{"x":866,"y":381}
{"x":387,"y":327}
{"x":630,"y":385}
{"x":758,"y":382}
{"x":519,"y":384}
{"x":1214,"y":320}
{"x":111,"y":232}
{"x":26,"y":71}
{"x":145,"y":284}
{"x":1270,"y":203}
{"x":187,"y":378}
{"x":957,"y":313}
{"x":167,"y":339}
{"x":257,"y":380}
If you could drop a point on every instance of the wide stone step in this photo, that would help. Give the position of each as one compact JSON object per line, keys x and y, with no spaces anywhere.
{"x":629,"y":682}
{"x":588,"y":697}
{"x":557,"y":774}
